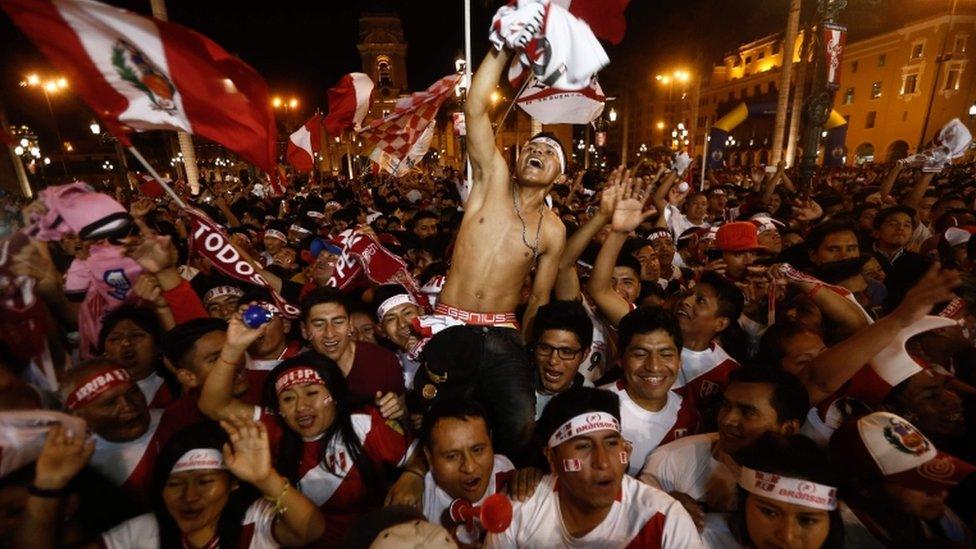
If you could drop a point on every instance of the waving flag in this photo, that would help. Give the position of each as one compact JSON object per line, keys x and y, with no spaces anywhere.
{"x":605,"y":17}
{"x":403,"y":137}
{"x":303,"y":143}
{"x":139,"y":73}
{"x":348,"y":103}
{"x":555,"y":106}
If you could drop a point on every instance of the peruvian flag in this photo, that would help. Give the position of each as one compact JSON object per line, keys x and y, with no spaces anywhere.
{"x":348,"y":103}
{"x":303,"y":143}
{"x":139,"y":73}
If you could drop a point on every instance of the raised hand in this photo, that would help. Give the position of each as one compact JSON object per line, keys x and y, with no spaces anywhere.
{"x":807,"y":210}
{"x":63,"y":456}
{"x":611,"y":192}
{"x":33,"y":262}
{"x":239,"y":336}
{"x":154,"y":253}
{"x":140,"y":208}
{"x":248,"y":455}
{"x":629,"y":211}
{"x":935,"y":287}
{"x":147,"y":288}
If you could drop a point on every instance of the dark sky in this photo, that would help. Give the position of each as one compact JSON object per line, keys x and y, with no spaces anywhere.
{"x":303,"y":47}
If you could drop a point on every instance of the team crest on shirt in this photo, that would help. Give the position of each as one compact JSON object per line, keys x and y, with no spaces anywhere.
{"x":116,"y":279}
{"x":337,"y":462}
{"x":905,"y":437}
{"x":678,"y":433}
{"x":709,"y":388}
{"x":135,"y":67}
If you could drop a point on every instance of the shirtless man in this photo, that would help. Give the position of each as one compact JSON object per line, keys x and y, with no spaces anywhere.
{"x":505,"y":231}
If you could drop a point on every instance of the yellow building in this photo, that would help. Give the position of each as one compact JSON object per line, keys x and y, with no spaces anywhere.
{"x":894,"y":84}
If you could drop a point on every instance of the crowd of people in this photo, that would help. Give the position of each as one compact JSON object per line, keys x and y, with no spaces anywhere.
{"x":547,"y":357}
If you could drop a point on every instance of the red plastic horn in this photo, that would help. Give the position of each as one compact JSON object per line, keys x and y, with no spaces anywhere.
{"x":495,"y":514}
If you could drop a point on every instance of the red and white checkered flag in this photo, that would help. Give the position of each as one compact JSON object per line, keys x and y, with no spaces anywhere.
{"x":402,"y":138}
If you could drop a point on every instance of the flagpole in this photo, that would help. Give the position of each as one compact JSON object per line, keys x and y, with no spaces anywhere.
{"x":467,"y":70}
{"x":525,"y":84}
{"x":349,"y":154}
{"x":176,"y":198}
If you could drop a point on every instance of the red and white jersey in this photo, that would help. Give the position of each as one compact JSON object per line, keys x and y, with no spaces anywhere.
{"x":690,"y":466}
{"x":647,"y":430}
{"x":437,"y":503}
{"x":129,"y":464}
{"x":154,"y":388}
{"x":142,"y":532}
{"x":640,"y":517}
{"x":327,"y":475}
{"x":595,"y":364}
{"x":704,"y":375}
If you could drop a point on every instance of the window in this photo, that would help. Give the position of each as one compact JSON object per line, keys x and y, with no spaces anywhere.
{"x":881,"y":60}
{"x":909,"y":85}
{"x":757,"y":90}
{"x":731,"y":96}
{"x":959,"y":46}
{"x":853,"y":67}
{"x":745,"y":92}
{"x":384,"y":73}
{"x":876,"y":90}
{"x":917,"y":50}
{"x":761,"y":55}
{"x":953,"y":76}
{"x":849,"y":96}
{"x":869,"y":123}
{"x":748,"y":60}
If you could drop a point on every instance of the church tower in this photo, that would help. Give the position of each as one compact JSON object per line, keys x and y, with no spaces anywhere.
{"x":384,"y":55}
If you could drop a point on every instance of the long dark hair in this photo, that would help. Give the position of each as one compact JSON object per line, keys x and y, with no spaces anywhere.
{"x":794,"y":456}
{"x":341,"y":430}
{"x":199,"y":435}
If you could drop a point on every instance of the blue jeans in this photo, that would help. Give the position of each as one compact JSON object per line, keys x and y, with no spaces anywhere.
{"x":504,"y":387}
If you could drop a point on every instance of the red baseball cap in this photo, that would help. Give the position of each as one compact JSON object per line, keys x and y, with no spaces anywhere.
{"x":882,"y":445}
{"x":739,"y":236}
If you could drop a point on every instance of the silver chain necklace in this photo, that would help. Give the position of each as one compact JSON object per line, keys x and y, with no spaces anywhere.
{"x":538,"y":230}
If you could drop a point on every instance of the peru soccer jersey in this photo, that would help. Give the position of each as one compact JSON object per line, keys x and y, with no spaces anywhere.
{"x":327,"y":475}
{"x":154,"y":388}
{"x":647,"y":430}
{"x":704,"y":375}
{"x":690,"y":466}
{"x":640,"y":517}
{"x":437,"y":503}
{"x":142,"y":532}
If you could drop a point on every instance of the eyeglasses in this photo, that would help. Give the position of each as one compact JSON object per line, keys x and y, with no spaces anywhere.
{"x":565,"y":353}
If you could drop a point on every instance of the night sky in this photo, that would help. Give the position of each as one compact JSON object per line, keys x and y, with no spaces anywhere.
{"x":303,"y":48}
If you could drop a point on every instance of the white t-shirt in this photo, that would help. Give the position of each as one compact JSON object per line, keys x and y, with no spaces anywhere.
{"x":689,"y":466}
{"x":437,"y":502}
{"x":679,"y":222}
{"x":596,"y":363}
{"x":640,"y":517}
{"x":142,"y":532}
{"x":541,"y":399}
{"x":647,"y":430}
{"x":410,"y":368}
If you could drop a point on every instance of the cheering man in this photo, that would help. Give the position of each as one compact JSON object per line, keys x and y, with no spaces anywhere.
{"x":506,"y":230}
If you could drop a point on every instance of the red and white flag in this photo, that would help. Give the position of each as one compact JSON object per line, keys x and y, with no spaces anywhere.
{"x":402,"y":138}
{"x":605,"y":17}
{"x":303,"y":144}
{"x":139,"y":73}
{"x":555,"y":106}
{"x":348,"y":103}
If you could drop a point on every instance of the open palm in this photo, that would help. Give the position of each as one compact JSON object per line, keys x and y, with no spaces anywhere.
{"x":629,"y":211}
{"x":248,"y":456}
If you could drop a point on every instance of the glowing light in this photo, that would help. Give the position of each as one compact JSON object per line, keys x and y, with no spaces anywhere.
{"x":293,"y":103}
{"x":33,"y":79}
{"x":276,"y":102}
{"x":660,"y":125}
{"x":95,"y":128}
{"x":613,"y":115}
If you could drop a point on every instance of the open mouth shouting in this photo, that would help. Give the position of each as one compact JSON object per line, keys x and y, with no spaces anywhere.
{"x":305,"y":421}
{"x":535,"y":162}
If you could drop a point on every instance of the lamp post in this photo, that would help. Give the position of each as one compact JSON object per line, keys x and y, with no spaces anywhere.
{"x":816,"y":111}
{"x":50,"y":86}
{"x":106,"y":137}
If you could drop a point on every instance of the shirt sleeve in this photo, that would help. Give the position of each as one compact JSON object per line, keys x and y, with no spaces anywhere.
{"x":650,"y":473}
{"x":185,"y":303}
{"x":77,"y":280}
{"x":679,"y":529}
{"x":136,"y":533}
{"x":261,"y":514}
{"x":387,"y":442}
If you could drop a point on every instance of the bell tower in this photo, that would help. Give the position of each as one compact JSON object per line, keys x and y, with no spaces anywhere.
{"x":383,"y":51}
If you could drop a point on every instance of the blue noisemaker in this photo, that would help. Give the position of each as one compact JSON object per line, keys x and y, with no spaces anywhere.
{"x":256,"y":315}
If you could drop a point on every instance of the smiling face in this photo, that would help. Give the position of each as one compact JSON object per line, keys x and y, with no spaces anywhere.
{"x":538,"y":165}
{"x":323,"y":267}
{"x":307,"y":409}
{"x":270,"y":345}
{"x":133,"y":347}
{"x":697,"y":314}
{"x":223,"y":307}
{"x":650,"y":264}
{"x":773,"y":524}
{"x":363,"y":327}
{"x":556,"y":371}
{"x":596,"y":485}
{"x":626,"y":283}
{"x":397,"y":325}
{"x":461,"y":457}
{"x":195,"y":499}
{"x":327,"y":329}
{"x":697,"y":208}
{"x":651,"y":363}
{"x":664,"y":248}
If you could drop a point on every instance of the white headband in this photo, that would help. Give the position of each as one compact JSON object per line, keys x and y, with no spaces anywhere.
{"x":275,"y":233}
{"x":221,"y":291}
{"x":199,"y":458}
{"x":315,"y":215}
{"x":299,"y":229}
{"x":583,"y":424}
{"x":391,"y":302}
{"x":788,"y":490}
{"x":555,"y":145}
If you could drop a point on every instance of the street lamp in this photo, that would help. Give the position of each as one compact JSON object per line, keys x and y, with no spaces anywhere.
{"x":612,"y":115}
{"x":50,"y":86}
{"x":972,"y":111}
{"x":95,"y":128}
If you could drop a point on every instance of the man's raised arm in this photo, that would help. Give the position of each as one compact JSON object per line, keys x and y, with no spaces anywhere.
{"x":482,"y":152}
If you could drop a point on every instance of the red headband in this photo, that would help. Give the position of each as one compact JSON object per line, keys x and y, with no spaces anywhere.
{"x":94,"y":386}
{"x":299,"y":375}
